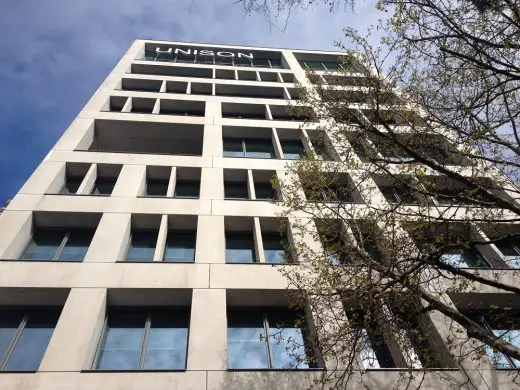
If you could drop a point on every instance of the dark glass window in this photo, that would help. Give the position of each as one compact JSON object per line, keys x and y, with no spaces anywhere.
{"x":465,"y":258}
{"x":103,"y":186}
{"x":144,"y":340}
{"x":72,"y":184}
{"x":251,"y":148}
{"x":58,"y":244}
{"x":24,"y":336}
{"x":333,"y":247}
{"x":510,"y":249}
{"x":265,"y":191}
{"x":292,"y":149}
{"x":240,"y":248}
{"x":374,"y":351}
{"x":180,"y":246}
{"x":156,"y":187}
{"x":274,"y":251}
{"x":266,"y":339}
{"x":142,"y":245}
{"x":187,"y":189}
{"x":398,"y":194}
{"x":235,"y":190}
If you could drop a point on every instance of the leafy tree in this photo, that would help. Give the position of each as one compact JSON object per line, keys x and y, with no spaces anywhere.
{"x":410,"y":185}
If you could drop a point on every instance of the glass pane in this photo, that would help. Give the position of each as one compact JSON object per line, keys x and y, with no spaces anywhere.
{"x":464,"y":259}
{"x":156,"y":187}
{"x":498,"y":359}
{"x":30,"y":347}
{"x":261,"y":62}
{"x":121,"y":348}
{"x":368,"y":355}
{"x":233,"y":148}
{"x":180,"y":246}
{"x":9,"y":322}
{"x":187,"y":188}
{"x":240,"y":248}
{"x":511,"y":253}
{"x":286,"y":340}
{"x":247,"y":346}
{"x":292,"y":149}
{"x":103,"y":186}
{"x":265,"y":191}
{"x":142,"y":245}
{"x":236,"y":190}
{"x":259,"y":149}
{"x":76,"y":245}
{"x":273,"y":248}
{"x":44,"y":245}
{"x":72,"y":185}
{"x":167,"y":340}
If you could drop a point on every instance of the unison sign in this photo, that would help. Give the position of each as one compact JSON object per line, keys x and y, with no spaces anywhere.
{"x":209,"y":53}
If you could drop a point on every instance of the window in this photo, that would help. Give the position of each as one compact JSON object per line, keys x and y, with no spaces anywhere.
{"x":71,"y":185}
{"x":142,"y":245}
{"x":465,"y":258}
{"x":398,"y":194}
{"x":274,"y":251}
{"x":180,"y":246}
{"x":187,"y":189}
{"x":240,"y":248}
{"x":374,"y":350}
{"x":264,"y":190}
{"x":368,"y":244}
{"x":292,"y":149}
{"x":58,"y":244}
{"x":250,"y":148}
{"x":24,"y":336}
{"x":236,"y":190}
{"x":510,"y":249}
{"x":333,"y":247}
{"x":103,"y":186}
{"x":505,"y":325}
{"x":156,"y":187}
{"x":136,"y":339}
{"x":330,"y":193}
{"x":267,"y":338}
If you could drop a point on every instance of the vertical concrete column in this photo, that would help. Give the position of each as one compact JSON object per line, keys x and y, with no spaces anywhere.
{"x":131,"y":181}
{"x":279,"y":77}
{"x":289,"y":184}
{"x":367,"y":188}
{"x":250,"y":185}
{"x":210,"y":230}
{"x":277,"y":145}
{"x":188,"y":88}
{"x":259,"y":244}
{"x":88,"y":182}
{"x":207,"y":347}
{"x":212,"y":183}
{"x":49,"y":177}
{"x":16,"y":228}
{"x":79,"y":135}
{"x":302,"y":233}
{"x":268,"y":114}
{"x":81,"y":320}
{"x":128,"y":105}
{"x":306,"y":141}
{"x":236,"y":74}
{"x":161,"y":239}
{"x":258,"y":78}
{"x":111,"y":239}
{"x":163,"y":86}
{"x":286,"y":94}
{"x":171,"y":183}
{"x":212,"y":144}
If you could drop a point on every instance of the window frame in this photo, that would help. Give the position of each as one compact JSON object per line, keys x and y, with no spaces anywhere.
{"x":63,"y":243}
{"x":129,"y":246}
{"x":11,"y":347}
{"x":149,"y":311}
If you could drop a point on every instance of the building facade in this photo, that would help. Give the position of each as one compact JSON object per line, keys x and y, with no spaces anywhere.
{"x":137,"y":255}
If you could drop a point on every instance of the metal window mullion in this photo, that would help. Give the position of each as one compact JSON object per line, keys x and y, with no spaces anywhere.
{"x":266,"y":331}
{"x":144,"y":343}
{"x":61,"y":246}
{"x":13,"y":343}
{"x":101,"y":343}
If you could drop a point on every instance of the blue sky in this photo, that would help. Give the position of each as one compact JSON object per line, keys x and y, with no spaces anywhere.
{"x":55,"y":53}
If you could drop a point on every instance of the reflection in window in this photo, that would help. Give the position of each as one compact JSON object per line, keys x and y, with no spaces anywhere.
{"x":240,"y":248}
{"x":510,"y":249}
{"x":58,"y":244}
{"x":144,"y":340}
{"x":24,"y":336}
{"x":180,"y":246}
{"x":264,"y":190}
{"x":272,"y":338}
{"x":470,"y":258}
{"x":292,"y":149}
{"x":142,"y":245}
{"x":250,"y":148}
{"x":274,"y":250}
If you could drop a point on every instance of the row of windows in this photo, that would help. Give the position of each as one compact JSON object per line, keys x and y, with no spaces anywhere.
{"x":156,"y":338}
